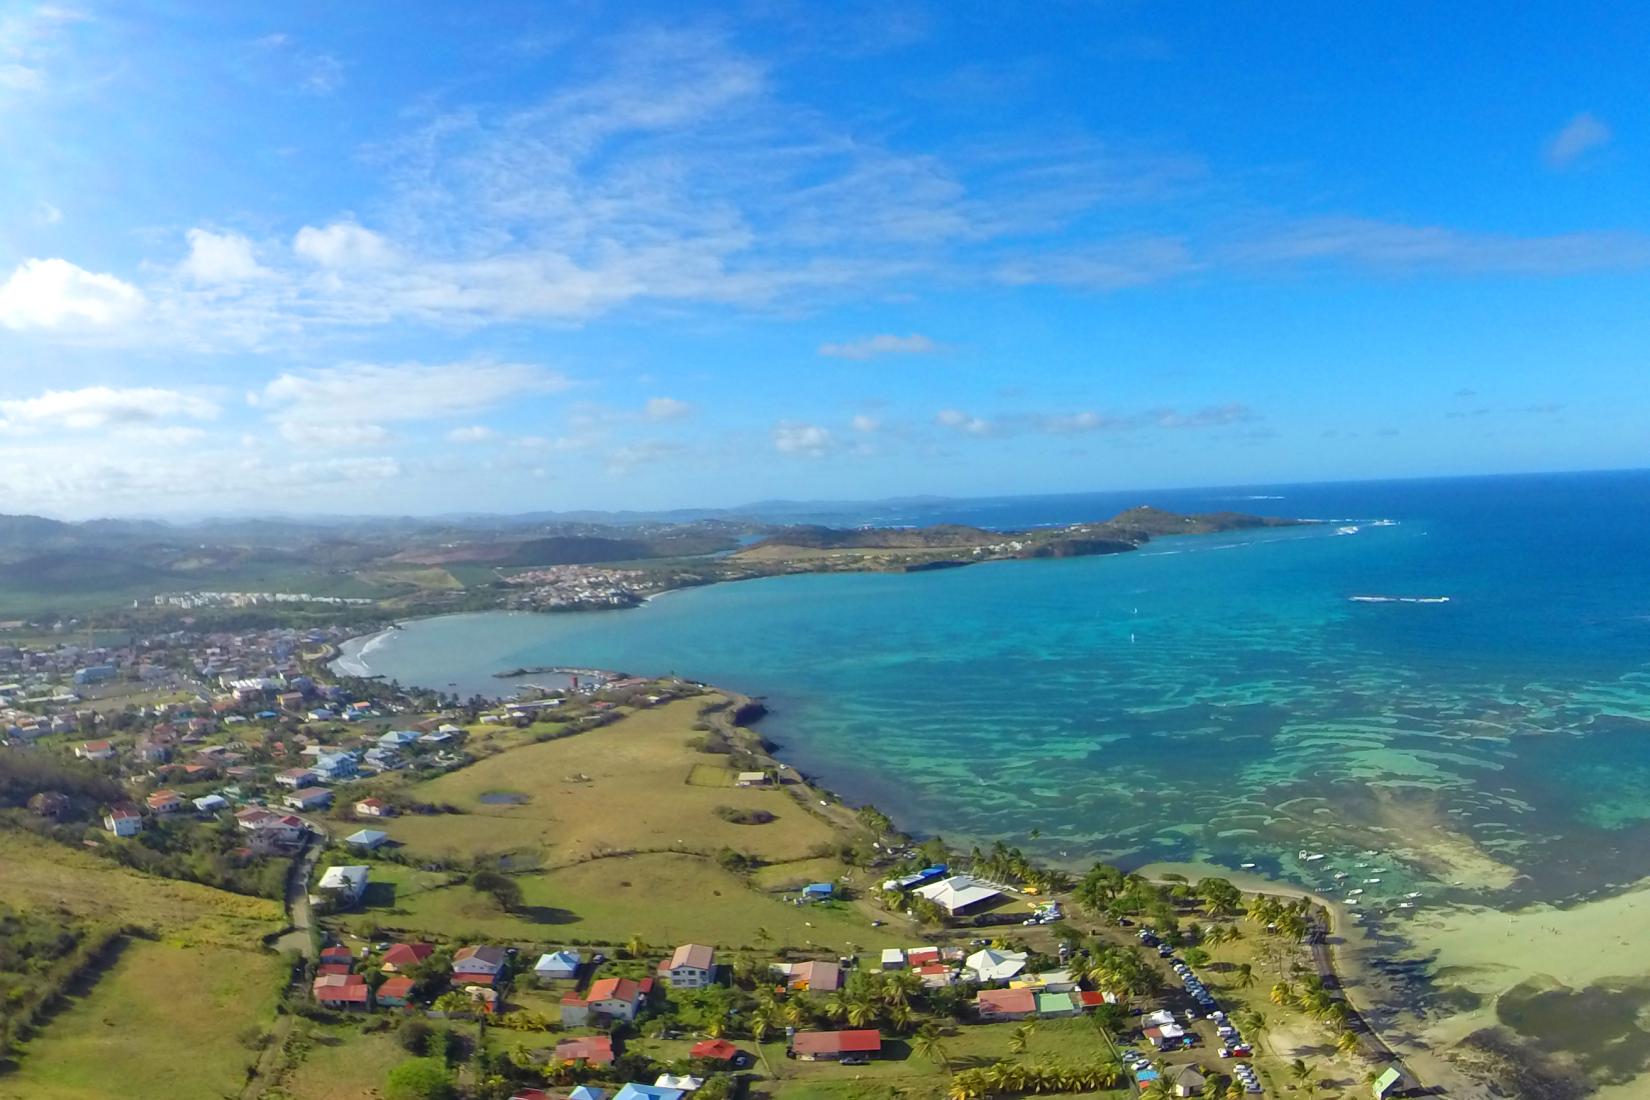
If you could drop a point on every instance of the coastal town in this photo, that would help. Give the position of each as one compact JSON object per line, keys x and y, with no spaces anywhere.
{"x":421,"y":854}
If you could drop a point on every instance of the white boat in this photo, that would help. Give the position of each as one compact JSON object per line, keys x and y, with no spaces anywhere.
{"x":1314,"y":857}
{"x":1355,"y":893}
{"x":1372,"y":880}
{"x":1406,"y":905}
{"x":1247,"y":866}
{"x":1413,"y":894}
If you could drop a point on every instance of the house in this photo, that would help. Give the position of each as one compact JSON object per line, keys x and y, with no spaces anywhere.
{"x":606,"y":1000}
{"x":343,"y":991}
{"x":820,"y":977}
{"x":587,"y":1092}
{"x":1187,"y":1080}
{"x":211,"y":804}
{"x":397,"y":739}
{"x":395,"y":992}
{"x":691,"y":967}
{"x":714,"y":1050}
{"x":95,"y":750}
{"x":403,"y":955}
{"x":343,"y":886}
{"x":833,"y":1046}
{"x":1387,"y":1084}
{"x":483,"y":962}
{"x":309,"y":798}
{"x":333,"y":766}
{"x":123,"y":821}
{"x":752,"y":779}
{"x":294,"y":778}
{"x":1057,"y":1004}
{"x":818,"y":891}
{"x":270,"y":829}
{"x":1005,"y":1004}
{"x":680,"y":1081}
{"x":338,"y":953}
{"x":648,"y":1092}
{"x":893,"y":958}
{"x":558,"y":966}
{"x":366,"y":839}
{"x":988,"y":966}
{"x":958,"y":894}
{"x":165,"y":802}
{"x":374,"y":807}
{"x":593,"y":1050}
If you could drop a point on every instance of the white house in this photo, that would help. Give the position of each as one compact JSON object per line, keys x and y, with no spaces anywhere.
{"x":344,"y":885}
{"x":95,"y":750}
{"x":211,"y":803}
{"x":123,"y":822}
{"x":309,"y":798}
{"x":296,"y":778}
{"x":367,"y":839}
{"x":989,"y":966}
{"x":558,"y":966}
{"x":958,"y":893}
{"x":691,"y":967}
{"x":478,"y":962}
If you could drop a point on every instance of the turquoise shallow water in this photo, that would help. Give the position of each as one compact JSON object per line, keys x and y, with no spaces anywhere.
{"x":1216,"y":698}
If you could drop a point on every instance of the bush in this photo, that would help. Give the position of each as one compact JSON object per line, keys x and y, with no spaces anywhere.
{"x":504,"y":889}
{"x":414,"y":1035}
{"x":744,"y":817}
{"x":419,"y":1079}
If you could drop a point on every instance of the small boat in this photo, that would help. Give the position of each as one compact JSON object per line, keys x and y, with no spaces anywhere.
{"x":1339,"y":875}
{"x":1372,"y":880}
{"x":1352,"y":901}
{"x":1247,"y":866}
{"x":1406,"y":905}
{"x":1315,"y":856}
{"x":1355,"y":893}
{"x":1413,"y":894}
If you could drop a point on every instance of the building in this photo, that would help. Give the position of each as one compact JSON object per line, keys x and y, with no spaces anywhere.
{"x":95,"y":750}
{"x":483,"y":963}
{"x":819,"y":977}
{"x":294,"y":778}
{"x":1188,"y":1080}
{"x":1005,"y":1004}
{"x":893,"y":958}
{"x":395,"y":993}
{"x":367,"y":839}
{"x":691,"y":967}
{"x":819,"y":891}
{"x":989,"y":967}
{"x":958,"y":894}
{"x":714,"y":1050}
{"x":593,"y":1050}
{"x":752,"y":779}
{"x":606,"y":1000}
{"x":342,"y":885}
{"x":343,"y":991}
{"x":400,"y":956}
{"x":165,"y":802}
{"x":211,"y":804}
{"x":373,"y":807}
{"x":123,"y":821}
{"x":834,"y":1046}
{"x":95,"y":674}
{"x":1387,"y":1084}
{"x":309,"y":798}
{"x":648,"y":1092}
{"x":558,"y":966}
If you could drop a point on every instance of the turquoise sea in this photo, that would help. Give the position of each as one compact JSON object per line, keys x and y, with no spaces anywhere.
{"x":1212,"y":698}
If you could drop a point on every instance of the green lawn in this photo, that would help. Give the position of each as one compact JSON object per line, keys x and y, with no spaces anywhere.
{"x":163,"y":1022}
{"x":341,"y":1062}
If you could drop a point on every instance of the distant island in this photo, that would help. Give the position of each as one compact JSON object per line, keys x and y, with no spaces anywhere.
{"x":147,"y":575}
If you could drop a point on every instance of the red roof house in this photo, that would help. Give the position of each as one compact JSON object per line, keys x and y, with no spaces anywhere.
{"x":1005,"y":1004}
{"x":595,"y":1050}
{"x":829,"y":1046}
{"x":715,"y":1050}
{"x":402,"y":955}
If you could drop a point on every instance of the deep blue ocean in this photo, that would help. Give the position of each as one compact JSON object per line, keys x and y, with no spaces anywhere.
{"x":1216,"y":698}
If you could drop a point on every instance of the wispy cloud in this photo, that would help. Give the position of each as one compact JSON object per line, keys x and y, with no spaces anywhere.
{"x":1083,"y":422}
{"x":1581,"y":135}
{"x":98,"y":407}
{"x":882,"y":344}
{"x":808,"y":440}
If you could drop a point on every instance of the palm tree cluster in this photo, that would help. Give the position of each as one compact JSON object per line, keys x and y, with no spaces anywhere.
{"x":885,"y":999}
{"x":1288,"y":918}
{"x":1005,"y":864}
{"x":1034,"y":1078}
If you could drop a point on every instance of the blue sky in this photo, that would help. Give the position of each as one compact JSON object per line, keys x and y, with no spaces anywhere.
{"x":335,"y":258}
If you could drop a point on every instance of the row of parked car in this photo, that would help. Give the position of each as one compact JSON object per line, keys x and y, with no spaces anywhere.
{"x":1232,"y":1043}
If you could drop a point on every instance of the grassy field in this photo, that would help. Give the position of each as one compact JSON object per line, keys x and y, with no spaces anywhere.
{"x":620,"y":788}
{"x":665,"y":898}
{"x":41,"y":875}
{"x":162,"y":1022}
{"x":341,"y":1062}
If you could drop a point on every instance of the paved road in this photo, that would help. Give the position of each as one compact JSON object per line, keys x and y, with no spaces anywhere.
{"x":299,"y":913}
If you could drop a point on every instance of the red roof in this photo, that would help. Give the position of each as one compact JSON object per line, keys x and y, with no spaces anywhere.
{"x":614,"y":989}
{"x":333,"y":968}
{"x":1007,"y":1000}
{"x":346,"y":994}
{"x":837,"y":1042}
{"x":408,"y":954}
{"x":719,"y":1049}
{"x":587,"y":1048}
{"x":398,"y":988}
{"x":923,"y":955}
{"x":488,"y":980}
{"x":337,"y":951}
{"x":1091,"y":998}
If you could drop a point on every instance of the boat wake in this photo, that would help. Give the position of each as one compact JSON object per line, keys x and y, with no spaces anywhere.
{"x":1399,"y":599}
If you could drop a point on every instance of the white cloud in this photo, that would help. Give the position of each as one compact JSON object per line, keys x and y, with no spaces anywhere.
{"x":863,"y":423}
{"x":342,"y":245}
{"x":883,"y":344}
{"x":1582,"y":134}
{"x":667,"y":408}
{"x":332,"y":436}
{"x":962,"y":421}
{"x":220,"y":258}
{"x":1086,"y":421}
{"x":1112,"y":265}
{"x":1396,"y":248}
{"x":368,"y":392}
{"x":54,"y":294}
{"x":103,"y":407}
{"x":46,"y":213}
{"x":810,"y":440}
{"x":474,"y":433}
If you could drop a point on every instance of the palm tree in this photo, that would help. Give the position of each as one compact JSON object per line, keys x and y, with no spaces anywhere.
{"x":900,"y":1017}
{"x":1022,"y":1036}
{"x":1347,"y":1041}
{"x":1282,"y":993}
{"x":928,"y":1044}
{"x":793,"y":1013}
{"x":635,"y":946}
{"x":861,"y":1011}
{"x":761,"y":1022}
{"x":1301,"y":1071}
{"x":836,"y":1005}
{"x":899,"y":986}
{"x":763,"y":937}
{"x":1245,"y":975}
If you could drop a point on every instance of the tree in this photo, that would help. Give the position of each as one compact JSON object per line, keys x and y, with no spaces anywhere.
{"x":504,"y":889}
{"x":1245,"y":976}
{"x":414,"y":1035}
{"x":635,"y":947}
{"x":1021,"y":1038}
{"x":927,"y":1043}
{"x":419,"y":1079}
{"x":1347,"y":1042}
{"x":1195,"y":956}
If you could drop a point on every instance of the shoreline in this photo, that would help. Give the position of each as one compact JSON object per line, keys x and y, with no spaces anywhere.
{"x":1349,"y":971}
